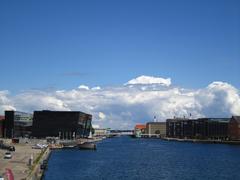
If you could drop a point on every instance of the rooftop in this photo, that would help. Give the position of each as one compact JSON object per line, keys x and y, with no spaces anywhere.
{"x":156,"y":122}
{"x":236,"y":118}
{"x":140,"y":126}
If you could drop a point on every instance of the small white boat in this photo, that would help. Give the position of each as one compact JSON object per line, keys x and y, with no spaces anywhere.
{"x":87,"y":146}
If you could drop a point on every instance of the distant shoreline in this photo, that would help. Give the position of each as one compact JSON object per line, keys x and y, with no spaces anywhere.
{"x":203,"y":141}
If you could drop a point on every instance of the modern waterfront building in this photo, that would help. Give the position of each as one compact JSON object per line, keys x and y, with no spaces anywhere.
{"x":234,"y":128}
{"x":156,"y":129}
{"x":17,"y":124}
{"x":202,"y":128}
{"x":62,"y":124}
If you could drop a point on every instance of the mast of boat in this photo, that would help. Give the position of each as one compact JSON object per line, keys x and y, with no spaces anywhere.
{"x":90,"y":134}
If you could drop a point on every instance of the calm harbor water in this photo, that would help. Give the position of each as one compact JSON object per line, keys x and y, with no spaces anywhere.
{"x":146,"y":159}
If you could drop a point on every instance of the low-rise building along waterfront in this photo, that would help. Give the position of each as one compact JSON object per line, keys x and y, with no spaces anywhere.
{"x":139,"y":130}
{"x":234,"y":128}
{"x":101,"y":132}
{"x":202,"y":128}
{"x":156,"y":129}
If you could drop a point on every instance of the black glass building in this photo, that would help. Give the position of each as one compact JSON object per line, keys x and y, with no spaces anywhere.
{"x":202,"y":128}
{"x":17,"y":124}
{"x":62,"y":124}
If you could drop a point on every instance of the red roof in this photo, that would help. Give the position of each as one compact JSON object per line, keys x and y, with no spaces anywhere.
{"x":140,"y":126}
{"x":2,"y":117}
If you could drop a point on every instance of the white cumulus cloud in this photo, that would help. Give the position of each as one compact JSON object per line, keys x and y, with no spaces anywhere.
{"x":83,"y":87}
{"x":5,"y":102}
{"x":96,"y":88}
{"x":96,"y":126}
{"x":121,"y":107}
{"x":38,"y":100}
{"x":101,"y":115}
{"x":150,"y":80}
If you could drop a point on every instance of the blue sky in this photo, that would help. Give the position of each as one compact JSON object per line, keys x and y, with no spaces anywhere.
{"x":62,"y":44}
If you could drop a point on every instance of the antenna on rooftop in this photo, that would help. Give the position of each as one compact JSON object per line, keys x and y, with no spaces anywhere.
{"x":155,"y":119}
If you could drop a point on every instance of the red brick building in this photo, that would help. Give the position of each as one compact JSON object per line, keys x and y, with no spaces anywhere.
{"x":234,"y":128}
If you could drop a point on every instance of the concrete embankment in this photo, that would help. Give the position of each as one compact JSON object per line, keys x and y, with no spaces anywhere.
{"x":36,"y":171}
{"x":203,"y":141}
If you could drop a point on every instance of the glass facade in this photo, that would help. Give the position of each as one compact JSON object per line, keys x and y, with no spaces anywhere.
{"x":202,"y":128}
{"x":62,"y":124}
{"x":17,"y":124}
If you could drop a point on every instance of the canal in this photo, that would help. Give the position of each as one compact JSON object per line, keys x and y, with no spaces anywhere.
{"x":123,"y":158}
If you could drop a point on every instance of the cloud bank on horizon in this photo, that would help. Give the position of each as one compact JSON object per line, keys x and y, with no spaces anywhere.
{"x":137,"y":101}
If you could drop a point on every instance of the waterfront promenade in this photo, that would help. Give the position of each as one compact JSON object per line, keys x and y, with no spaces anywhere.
{"x":19,"y":163}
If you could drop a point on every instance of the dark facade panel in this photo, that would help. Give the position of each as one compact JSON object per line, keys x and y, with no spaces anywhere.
{"x":9,"y":124}
{"x":188,"y":129}
{"x":63,"y":124}
{"x":203,"y":128}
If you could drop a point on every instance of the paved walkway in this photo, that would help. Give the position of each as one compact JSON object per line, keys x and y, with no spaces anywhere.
{"x":20,"y":159}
